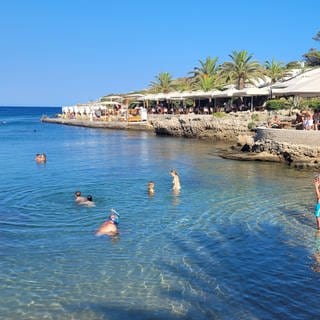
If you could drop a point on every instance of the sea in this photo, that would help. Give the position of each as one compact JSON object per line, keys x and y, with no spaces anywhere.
{"x":238,"y":242}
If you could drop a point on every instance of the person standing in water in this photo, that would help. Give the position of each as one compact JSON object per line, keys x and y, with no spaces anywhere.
{"x":176,"y":181}
{"x":317,"y":209}
{"x":151,"y":188}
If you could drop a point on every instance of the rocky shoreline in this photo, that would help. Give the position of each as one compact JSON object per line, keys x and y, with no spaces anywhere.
{"x":247,"y":132}
{"x":252,"y":139}
{"x":225,"y":127}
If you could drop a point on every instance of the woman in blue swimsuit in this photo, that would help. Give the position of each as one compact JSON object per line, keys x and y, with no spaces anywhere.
{"x":317,"y":209}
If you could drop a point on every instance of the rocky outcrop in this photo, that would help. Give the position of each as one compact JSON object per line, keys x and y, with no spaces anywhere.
{"x":219,"y":127}
{"x":297,"y":148}
{"x":253,"y":140}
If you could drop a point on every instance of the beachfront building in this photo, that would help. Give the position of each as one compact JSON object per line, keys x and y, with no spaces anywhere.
{"x":133,"y":107}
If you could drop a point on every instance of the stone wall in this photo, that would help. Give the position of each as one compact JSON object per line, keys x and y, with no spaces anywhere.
{"x":298,"y":148}
{"x":298,"y":137}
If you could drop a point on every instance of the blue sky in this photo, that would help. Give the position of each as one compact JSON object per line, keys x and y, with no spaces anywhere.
{"x":61,"y":52}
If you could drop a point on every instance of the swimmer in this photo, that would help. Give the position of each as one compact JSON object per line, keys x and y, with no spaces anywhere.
{"x":176,"y":181}
{"x":41,"y":157}
{"x":109,"y":227}
{"x":78,"y":197}
{"x":88,"y":202}
{"x":151,"y":188}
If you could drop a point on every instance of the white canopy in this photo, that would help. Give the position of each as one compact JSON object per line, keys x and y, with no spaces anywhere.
{"x":155,"y":96}
{"x":110,"y":103}
{"x":199,"y":94}
{"x":231,"y":92}
{"x":306,"y":84}
{"x":253,"y":91}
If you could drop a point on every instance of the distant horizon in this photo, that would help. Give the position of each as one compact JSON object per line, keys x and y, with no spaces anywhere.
{"x":68,"y":52}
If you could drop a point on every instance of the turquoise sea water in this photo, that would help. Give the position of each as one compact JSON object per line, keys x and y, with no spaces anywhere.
{"x":239,"y":242}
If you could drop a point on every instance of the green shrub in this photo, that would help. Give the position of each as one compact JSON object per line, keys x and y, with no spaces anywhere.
{"x":277,"y":104}
{"x":218,"y":114}
{"x":251,"y":125}
{"x":255,"y":117}
{"x":311,"y":104}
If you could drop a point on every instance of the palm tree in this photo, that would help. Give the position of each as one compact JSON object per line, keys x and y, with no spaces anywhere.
{"x":163,"y":83}
{"x":208,"y":67}
{"x":241,"y":69}
{"x":182,"y":84}
{"x":206,"y":83}
{"x":275,"y":70}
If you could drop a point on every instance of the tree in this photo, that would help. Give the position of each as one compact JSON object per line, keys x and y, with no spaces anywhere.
{"x":208,"y":67}
{"x":182,"y":84}
{"x":275,"y":70}
{"x":317,"y":36}
{"x":313,"y":56}
{"x":206,"y":83}
{"x":241,"y":69}
{"x":163,"y":83}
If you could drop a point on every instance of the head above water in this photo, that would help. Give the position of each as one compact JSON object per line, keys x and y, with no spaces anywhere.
{"x":41,"y":157}
{"x":89,"y":198}
{"x":77,"y":194}
{"x":174,"y":172}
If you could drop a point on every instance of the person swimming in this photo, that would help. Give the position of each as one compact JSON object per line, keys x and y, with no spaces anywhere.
{"x":109,"y":227}
{"x":41,"y":157}
{"x":88,"y":202}
{"x":176,"y":181}
{"x":151,"y":188}
{"x":79,"y":198}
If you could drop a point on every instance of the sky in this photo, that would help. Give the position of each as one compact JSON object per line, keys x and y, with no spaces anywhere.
{"x":63,"y":52}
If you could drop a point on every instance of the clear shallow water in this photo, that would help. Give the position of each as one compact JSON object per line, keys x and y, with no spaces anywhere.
{"x":237,"y":243}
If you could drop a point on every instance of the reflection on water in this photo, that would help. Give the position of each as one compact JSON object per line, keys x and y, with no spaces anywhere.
{"x":316,"y":256}
{"x":235,"y":243}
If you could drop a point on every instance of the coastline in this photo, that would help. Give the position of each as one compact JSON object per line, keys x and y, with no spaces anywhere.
{"x":297,"y":148}
{"x":137,"y":126}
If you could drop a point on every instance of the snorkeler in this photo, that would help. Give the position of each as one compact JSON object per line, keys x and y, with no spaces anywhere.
{"x":109,"y":227}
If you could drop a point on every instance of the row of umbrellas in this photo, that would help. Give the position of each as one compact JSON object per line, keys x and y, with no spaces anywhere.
{"x":306,"y":84}
{"x":230,"y":92}
{"x":90,"y":108}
